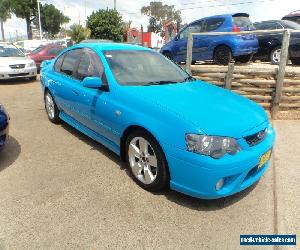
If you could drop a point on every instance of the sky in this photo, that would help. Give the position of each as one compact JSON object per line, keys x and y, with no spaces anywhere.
{"x":191,"y":10}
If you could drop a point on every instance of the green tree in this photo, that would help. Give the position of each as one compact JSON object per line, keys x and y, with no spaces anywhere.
{"x":52,"y":19}
{"x":25,"y":9}
{"x":106,"y":24}
{"x":158,"y":13}
{"x":4,"y":14}
{"x":78,"y":33}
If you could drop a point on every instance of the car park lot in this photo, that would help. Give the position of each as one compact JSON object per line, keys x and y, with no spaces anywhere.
{"x":61,"y":190}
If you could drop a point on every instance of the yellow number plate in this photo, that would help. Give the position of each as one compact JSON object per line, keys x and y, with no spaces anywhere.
{"x":264,"y":158}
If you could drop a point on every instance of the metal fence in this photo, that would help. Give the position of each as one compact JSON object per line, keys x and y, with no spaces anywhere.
{"x":279,"y":76}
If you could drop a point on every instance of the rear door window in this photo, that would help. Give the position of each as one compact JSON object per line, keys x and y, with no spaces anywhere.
{"x":70,"y":62}
{"x":213,"y":24}
{"x":89,"y":65}
{"x":54,"y":51}
{"x":58,"y":63}
{"x":242,"y":22}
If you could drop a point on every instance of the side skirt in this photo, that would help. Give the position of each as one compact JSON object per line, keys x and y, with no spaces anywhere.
{"x":90,"y":133}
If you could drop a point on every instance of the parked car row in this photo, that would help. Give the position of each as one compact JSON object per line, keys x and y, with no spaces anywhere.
{"x":223,"y":49}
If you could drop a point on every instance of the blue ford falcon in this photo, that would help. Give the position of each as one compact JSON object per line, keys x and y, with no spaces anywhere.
{"x":171,"y":129}
{"x":4,"y":126}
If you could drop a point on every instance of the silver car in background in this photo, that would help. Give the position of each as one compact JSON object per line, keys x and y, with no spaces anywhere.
{"x":14,"y":63}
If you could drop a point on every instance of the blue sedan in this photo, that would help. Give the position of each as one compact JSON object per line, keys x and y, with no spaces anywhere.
{"x":171,"y":129}
{"x":4,"y":126}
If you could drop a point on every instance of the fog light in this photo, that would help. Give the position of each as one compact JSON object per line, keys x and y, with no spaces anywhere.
{"x":220,"y":184}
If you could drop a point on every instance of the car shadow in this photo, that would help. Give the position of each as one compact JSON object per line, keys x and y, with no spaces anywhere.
{"x":10,"y":153}
{"x":173,"y":196}
{"x":17,"y":81}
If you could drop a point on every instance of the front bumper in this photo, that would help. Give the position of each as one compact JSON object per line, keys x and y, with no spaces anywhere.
{"x":197,"y":175}
{"x":18,"y":73}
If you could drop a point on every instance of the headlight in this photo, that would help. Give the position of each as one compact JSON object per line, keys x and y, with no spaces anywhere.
{"x":31,"y":64}
{"x":214,"y":146}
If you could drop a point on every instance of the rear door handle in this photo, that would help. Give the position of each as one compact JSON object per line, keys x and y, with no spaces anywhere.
{"x":75,"y":92}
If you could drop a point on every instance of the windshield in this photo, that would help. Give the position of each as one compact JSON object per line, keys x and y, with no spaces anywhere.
{"x":10,"y":51}
{"x":290,"y":25}
{"x":140,"y":67}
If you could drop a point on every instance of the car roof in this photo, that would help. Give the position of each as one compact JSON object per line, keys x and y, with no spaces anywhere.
{"x":222,"y":15}
{"x":109,"y":46}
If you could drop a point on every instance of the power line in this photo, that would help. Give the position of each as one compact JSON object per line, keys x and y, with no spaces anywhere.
{"x":231,"y":4}
{"x":204,"y":6}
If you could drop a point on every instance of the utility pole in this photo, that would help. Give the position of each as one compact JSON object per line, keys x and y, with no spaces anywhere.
{"x":115,"y":4}
{"x":40,"y":23}
{"x":85,"y":19}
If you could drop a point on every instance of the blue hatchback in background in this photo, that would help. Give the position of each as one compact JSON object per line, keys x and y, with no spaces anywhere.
{"x":221,"y":49}
{"x":4,"y":124}
{"x":171,"y":129}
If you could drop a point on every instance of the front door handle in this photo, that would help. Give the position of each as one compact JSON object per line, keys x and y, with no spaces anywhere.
{"x":75,"y":92}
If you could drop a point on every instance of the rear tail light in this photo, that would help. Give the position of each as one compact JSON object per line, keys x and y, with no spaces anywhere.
{"x":236,"y":29}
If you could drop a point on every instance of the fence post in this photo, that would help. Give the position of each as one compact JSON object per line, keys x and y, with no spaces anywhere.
{"x":281,"y":72}
{"x":189,"y":53}
{"x":228,"y":77}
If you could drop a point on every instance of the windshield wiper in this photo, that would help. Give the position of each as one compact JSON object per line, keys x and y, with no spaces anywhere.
{"x":159,"y":83}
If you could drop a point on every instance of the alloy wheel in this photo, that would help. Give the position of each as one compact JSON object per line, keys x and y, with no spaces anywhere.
{"x":142,"y":160}
{"x":49,"y":103}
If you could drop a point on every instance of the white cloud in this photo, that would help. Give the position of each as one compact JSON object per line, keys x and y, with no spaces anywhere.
{"x":258,"y":10}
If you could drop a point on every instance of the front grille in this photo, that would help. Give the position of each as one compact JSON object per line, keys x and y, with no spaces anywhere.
{"x":17,"y":66}
{"x":20,"y":74}
{"x":256,"y":138}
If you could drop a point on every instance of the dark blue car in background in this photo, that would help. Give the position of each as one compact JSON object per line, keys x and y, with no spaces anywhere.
{"x":221,"y":49}
{"x":4,"y":120}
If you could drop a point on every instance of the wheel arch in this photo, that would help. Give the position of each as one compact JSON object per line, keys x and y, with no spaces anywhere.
{"x":128,"y":131}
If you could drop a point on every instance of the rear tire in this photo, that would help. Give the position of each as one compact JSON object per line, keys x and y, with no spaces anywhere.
{"x":244,"y":58}
{"x":222,"y":55}
{"x":295,"y":61}
{"x":51,"y":108}
{"x":146,"y":161}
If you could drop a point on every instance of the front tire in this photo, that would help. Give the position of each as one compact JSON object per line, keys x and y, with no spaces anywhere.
{"x":146,"y":161}
{"x":51,"y":108}
{"x":222,"y":55}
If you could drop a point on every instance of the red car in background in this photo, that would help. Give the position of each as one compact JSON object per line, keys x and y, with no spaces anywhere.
{"x":46,"y":52}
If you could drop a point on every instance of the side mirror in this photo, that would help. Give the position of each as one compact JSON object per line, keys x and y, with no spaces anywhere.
{"x":176,"y":38}
{"x":92,"y":82}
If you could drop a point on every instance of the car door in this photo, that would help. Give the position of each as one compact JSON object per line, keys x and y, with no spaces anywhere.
{"x":210,"y":42}
{"x":95,"y":104}
{"x":180,"y":42}
{"x":63,"y":83}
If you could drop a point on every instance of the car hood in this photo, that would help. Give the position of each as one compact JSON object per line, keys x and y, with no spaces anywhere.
{"x":14,"y":60}
{"x":213,"y":110}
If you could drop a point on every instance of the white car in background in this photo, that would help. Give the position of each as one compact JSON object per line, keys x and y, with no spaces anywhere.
{"x":29,"y":45}
{"x":14,"y":63}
